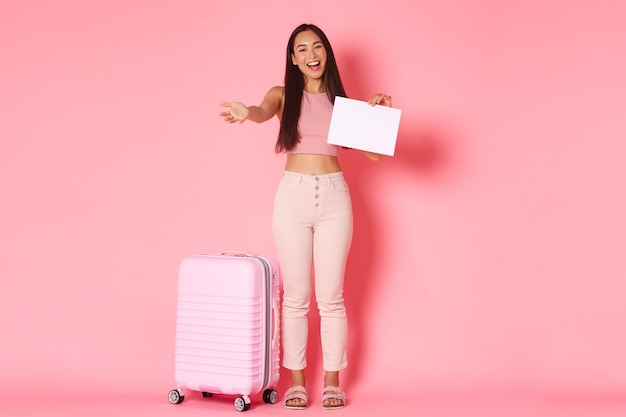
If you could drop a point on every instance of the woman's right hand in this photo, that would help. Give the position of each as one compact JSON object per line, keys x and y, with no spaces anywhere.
{"x":236,"y":112}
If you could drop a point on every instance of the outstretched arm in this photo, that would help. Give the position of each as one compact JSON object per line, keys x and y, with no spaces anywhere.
{"x":383,"y":100}
{"x":238,"y":112}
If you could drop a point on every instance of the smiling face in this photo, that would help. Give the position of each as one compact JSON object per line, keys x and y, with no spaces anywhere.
{"x":309,"y":54}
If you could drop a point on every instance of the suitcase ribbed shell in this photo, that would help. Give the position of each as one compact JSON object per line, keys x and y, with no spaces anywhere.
{"x":227,"y":324}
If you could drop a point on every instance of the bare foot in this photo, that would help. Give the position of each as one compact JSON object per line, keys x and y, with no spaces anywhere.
{"x":333,"y":396}
{"x":296,"y":397}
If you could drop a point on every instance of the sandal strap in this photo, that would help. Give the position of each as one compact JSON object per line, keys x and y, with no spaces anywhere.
{"x":331,"y":392}
{"x":298,"y":392}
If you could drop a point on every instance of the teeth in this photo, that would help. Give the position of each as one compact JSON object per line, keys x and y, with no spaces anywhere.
{"x":310,"y":64}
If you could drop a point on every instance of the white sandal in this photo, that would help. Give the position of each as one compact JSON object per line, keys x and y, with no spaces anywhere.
{"x":298,"y":392}
{"x":333,"y":393}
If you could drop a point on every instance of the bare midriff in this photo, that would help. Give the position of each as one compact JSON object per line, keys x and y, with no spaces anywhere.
{"x":312,"y":164}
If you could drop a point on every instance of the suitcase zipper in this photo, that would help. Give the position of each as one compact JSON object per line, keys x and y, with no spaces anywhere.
{"x":269,"y":308}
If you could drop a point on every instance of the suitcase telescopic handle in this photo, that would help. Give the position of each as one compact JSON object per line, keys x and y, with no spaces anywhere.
{"x":236,"y":253}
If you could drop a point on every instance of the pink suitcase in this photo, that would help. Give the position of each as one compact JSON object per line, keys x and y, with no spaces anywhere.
{"x":227,"y":327}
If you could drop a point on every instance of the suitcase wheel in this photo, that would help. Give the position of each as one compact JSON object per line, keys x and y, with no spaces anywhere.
{"x":175,"y":396}
{"x":242,"y":403}
{"x":207,"y":394}
{"x":270,"y":396}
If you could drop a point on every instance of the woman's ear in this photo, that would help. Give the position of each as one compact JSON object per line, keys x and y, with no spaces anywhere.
{"x":293,"y":60}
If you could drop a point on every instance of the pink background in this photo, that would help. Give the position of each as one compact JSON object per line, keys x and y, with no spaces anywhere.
{"x":488,"y":261}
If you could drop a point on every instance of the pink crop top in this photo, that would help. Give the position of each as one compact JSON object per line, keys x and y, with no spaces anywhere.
{"x":314,"y":124}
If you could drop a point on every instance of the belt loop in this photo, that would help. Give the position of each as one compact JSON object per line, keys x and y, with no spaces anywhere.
{"x":300,"y":179}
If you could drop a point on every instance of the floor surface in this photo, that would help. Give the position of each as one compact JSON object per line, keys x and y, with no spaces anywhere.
{"x":111,"y":404}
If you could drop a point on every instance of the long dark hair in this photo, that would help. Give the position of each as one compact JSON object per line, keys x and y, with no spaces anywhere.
{"x":288,"y":135}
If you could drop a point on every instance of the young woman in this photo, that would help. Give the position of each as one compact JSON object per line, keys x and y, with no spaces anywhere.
{"x":312,"y":220}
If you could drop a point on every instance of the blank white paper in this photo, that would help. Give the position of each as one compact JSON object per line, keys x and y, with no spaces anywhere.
{"x":356,"y":124}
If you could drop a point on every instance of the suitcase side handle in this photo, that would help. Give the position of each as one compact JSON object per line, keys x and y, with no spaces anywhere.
{"x":276,"y":321}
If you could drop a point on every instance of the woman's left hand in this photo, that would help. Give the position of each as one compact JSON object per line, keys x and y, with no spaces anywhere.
{"x":380,"y":98}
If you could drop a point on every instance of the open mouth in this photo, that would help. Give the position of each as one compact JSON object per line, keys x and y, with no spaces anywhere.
{"x":314,"y":64}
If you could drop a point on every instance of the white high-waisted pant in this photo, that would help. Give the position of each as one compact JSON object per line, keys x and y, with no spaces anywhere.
{"x":312,"y":225}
